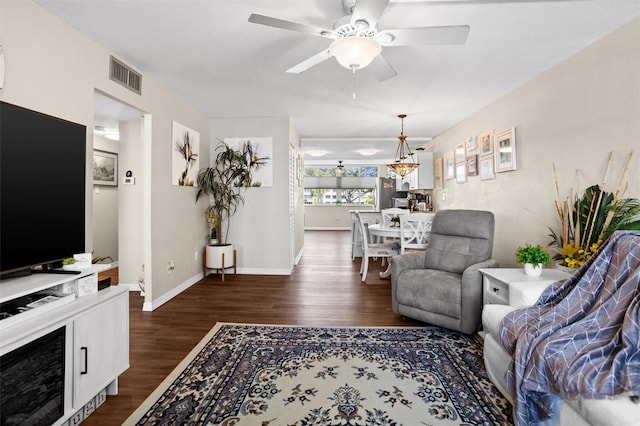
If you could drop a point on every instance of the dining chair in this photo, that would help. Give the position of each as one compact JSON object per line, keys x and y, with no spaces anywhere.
{"x":415,"y":229}
{"x":375,"y":250}
{"x":388,"y":214}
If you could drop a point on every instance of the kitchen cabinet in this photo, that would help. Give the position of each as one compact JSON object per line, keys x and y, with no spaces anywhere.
{"x":422,"y":177}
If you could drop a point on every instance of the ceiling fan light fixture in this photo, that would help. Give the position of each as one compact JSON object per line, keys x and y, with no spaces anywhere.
{"x":355,"y":52}
{"x":340,"y":169}
{"x":400,"y":166}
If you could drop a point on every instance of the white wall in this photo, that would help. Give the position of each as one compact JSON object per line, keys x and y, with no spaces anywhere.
{"x":105,"y":209}
{"x":573,"y":115}
{"x":328,"y":217}
{"x":298,"y":193}
{"x":130,"y":203}
{"x":52,"y":68}
{"x":260,"y":229}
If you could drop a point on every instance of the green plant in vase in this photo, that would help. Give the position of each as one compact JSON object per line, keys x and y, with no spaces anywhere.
{"x":532,"y":254}
{"x":532,"y":257}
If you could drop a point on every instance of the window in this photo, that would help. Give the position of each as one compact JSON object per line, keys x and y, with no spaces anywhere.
{"x":366,"y":171}
{"x":339,"y":196}
{"x":355,"y":187}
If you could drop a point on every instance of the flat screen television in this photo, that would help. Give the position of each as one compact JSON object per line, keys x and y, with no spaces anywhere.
{"x":42,"y":190}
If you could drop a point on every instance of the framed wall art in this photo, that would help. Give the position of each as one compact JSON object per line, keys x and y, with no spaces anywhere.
{"x":461,"y":153}
{"x":472,"y":165}
{"x":259,"y":154}
{"x":184,"y":161}
{"x":105,"y":168}
{"x":449,"y":165}
{"x":505,"y":146}
{"x":486,"y":143}
{"x":472,"y":144}
{"x":461,"y":172}
{"x":487,"y":167}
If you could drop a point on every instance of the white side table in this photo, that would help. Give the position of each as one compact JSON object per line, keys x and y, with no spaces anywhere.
{"x":511,"y":286}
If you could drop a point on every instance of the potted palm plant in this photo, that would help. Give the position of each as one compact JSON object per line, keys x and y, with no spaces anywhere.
{"x":532,"y":257}
{"x":223,"y":181}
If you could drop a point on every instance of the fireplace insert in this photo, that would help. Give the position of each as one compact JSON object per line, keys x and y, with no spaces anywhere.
{"x":32,"y":381}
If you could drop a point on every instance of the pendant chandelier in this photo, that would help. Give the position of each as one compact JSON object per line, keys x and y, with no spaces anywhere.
{"x":401,"y":166}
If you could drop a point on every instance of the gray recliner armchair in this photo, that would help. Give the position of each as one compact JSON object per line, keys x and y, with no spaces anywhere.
{"x":443,"y":285}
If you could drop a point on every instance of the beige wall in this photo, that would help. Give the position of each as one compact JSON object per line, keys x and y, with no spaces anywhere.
{"x":573,"y":115}
{"x":260,"y":230}
{"x":329,"y":217}
{"x":52,"y":68}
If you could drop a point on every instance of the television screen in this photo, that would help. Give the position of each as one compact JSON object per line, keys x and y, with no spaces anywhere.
{"x":42,"y":188}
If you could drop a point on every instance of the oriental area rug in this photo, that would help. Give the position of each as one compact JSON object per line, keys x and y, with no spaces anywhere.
{"x":285,"y":375}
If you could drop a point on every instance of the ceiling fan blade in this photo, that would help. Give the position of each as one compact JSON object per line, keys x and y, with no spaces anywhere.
{"x":381,"y":69}
{"x":476,"y":2}
{"x":312,"y":61}
{"x":369,"y":10}
{"x":426,"y":35}
{"x":288,"y":25}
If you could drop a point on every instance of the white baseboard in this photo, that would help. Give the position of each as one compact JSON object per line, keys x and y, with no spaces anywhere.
{"x":150,"y":306}
{"x":298,"y":257}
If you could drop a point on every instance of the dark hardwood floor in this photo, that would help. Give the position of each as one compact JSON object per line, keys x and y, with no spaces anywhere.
{"x":324,"y":289}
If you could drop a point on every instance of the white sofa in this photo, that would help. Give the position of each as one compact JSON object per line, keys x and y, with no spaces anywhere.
{"x":619,"y":411}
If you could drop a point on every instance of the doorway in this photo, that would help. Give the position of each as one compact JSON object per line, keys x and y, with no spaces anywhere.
{"x":117,"y":140}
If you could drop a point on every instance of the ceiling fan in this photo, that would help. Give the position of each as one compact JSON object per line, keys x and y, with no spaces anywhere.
{"x":358,"y":41}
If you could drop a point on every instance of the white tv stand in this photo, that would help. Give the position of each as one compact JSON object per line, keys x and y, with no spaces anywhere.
{"x":96,"y":335}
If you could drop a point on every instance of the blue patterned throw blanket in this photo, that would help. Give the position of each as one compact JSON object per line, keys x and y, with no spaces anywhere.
{"x":581,"y":338}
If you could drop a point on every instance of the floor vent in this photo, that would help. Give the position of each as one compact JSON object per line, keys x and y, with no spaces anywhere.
{"x":120,"y":73}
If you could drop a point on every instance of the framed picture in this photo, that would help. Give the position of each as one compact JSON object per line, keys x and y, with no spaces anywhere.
{"x":505,"y":146}
{"x":259,"y":153}
{"x":437,"y":173}
{"x":486,"y":143}
{"x":461,"y":172}
{"x":449,"y":165}
{"x":105,"y":168}
{"x":184,"y":161}
{"x":472,"y":144}
{"x":461,"y":153}
{"x":486,"y":167}
{"x":472,"y":165}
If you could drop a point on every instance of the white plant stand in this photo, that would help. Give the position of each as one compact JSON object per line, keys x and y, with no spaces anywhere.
{"x":220,"y":257}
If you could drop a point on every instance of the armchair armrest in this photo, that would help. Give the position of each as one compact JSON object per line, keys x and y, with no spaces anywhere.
{"x":471,"y":288}
{"x":410,"y":260}
{"x":402,"y":262}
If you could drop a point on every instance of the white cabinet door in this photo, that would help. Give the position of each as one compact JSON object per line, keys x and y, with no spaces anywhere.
{"x":425,"y":171}
{"x":101,"y":347}
{"x":407,"y":182}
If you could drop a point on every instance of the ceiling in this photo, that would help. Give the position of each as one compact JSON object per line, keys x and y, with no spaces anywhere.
{"x":208,"y":53}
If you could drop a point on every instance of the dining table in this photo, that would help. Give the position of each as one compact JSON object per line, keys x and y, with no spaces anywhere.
{"x":381,"y":232}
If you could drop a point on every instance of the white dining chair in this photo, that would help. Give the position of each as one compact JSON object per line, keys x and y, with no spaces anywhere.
{"x":415,"y":229}
{"x":388,"y":214}
{"x":374,"y":250}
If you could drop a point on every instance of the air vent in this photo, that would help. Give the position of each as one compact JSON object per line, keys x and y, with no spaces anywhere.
{"x":120,"y":73}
